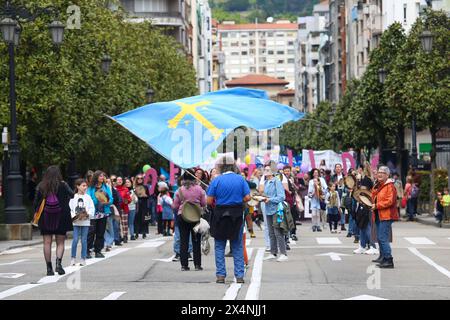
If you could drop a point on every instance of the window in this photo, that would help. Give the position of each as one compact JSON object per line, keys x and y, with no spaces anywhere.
{"x":290,"y":51}
{"x":252,"y":43}
{"x":291,"y":61}
{"x":235,"y":44}
{"x":233,"y":34}
{"x":270,"y":52}
{"x":224,"y":34}
{"x":252,"y":69}
{"x":404,"y":12}
{"x":270,"y":34}
{"x":302,"y":26}
{"x":280,"y":52}
{"x":244,"y":53}
{"x":225,"y":43}
{"x":291,"y":34}
{"x":252,"y":51}
{"x":280,"y":35}
{"x":234,"y":53}
{"x":262,"y":51}
{"x":244,"y":35}
{"x":150,"y":6}
{"x":290,"y":43}
{"x":315,"y":48}
{"x":280,"y":61}
{"x":280,"y":43}
{"x":271,"y":60}
{"x":244,"y":44}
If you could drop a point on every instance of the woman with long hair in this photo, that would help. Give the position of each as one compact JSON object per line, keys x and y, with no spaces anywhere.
{"x":55,"y":219}
{"x":131,"y":207}
{"x":103,"y":199}
{"x":143,"y":215}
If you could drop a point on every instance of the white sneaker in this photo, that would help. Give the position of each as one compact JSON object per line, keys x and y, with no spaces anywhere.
{"x":372,"y":251}
{"x":282,"y":258}
{"x":72,"y":262}
{"x":271,"y":257}
{"x":82,"y":262}
{"x":267,"y":249}
{"x":360,"y":250}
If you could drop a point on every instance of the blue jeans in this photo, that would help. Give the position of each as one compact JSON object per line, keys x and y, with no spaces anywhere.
{"x":343,"y":216}
{"x":365,"y":236}
{"x":411,"y":208}
{"x":131,"y":216}
{"x":116,"y":226}
{"x":237,"y":249}
{"x":80,"y":233}
{"x":176,"y":240}
{"x":109,"y":232}
{"x":266,"y":228}
{"x":383,"y":232}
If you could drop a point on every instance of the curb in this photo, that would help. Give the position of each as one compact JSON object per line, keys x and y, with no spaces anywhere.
{"x":432,"y":223}
{"x":37,"y":242}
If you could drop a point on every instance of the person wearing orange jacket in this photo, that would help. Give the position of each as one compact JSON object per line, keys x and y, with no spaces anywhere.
{"x":384,"y":195}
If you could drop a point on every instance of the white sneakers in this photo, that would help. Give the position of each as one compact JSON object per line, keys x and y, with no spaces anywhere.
{"x":372,"y":251}
{"x":72,"y":262}
{"x":360,"y":250}
{"x":282,"y":258}
{"x":270,"y":257}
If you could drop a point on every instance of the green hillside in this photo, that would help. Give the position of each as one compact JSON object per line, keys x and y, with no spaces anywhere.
{"x":248,"y":10}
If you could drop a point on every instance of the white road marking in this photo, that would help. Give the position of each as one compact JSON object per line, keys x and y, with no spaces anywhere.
{"x":419,"y":240}
{"x":55,"y":278}
{"x":249,"y":254}
{"x":151,"y":244}
{"x":332,"y":240}
{"x":165,"y":260}
{"x":66,"y":247}
{"x":255,"y":282}
{"x":114,"y":295}
{"x":333,"y":255}
{"x":11,"y":275}
{"x":232,"y":291}
{"x":365,"y":297}
{"x":14,"y":262}
{"x":430,"y":262}
{"x":14,"y":251}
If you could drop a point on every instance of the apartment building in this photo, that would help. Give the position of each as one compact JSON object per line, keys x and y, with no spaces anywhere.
{"x":259,"y":48}
{"x":188,"y":21}
{"x":311,"y":68}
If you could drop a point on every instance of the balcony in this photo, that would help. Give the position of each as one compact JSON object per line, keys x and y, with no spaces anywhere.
{"x":174,"y":19}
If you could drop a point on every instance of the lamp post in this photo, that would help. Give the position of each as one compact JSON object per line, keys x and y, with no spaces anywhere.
{"x":149,"y":95}
{"x":15,"y":212}
{"x":5,"y":142}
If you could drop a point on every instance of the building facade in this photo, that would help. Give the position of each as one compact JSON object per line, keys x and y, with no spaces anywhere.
{"x":260,"y":48}
{"x":188,"y":21}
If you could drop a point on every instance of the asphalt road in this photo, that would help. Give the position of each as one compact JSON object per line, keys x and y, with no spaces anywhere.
{"x":321,"y":266}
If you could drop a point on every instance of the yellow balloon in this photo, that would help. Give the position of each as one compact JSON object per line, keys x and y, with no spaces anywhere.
{"x":247,"y":159}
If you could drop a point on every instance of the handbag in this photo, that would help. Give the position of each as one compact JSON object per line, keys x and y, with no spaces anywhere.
{"x":38,"y":214}
{"x":191,"y":212}
{"x":403,"y":203}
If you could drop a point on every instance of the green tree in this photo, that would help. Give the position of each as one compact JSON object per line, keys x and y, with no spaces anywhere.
{"x":63,"y":96}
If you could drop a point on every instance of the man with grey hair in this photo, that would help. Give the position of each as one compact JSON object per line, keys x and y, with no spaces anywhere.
{"x":228,"y":192}
{"x":384,"y":195}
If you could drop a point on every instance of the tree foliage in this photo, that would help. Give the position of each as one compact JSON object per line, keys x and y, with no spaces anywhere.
{"x":63,"y":96}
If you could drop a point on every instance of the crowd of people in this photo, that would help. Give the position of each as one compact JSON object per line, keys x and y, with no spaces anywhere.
{"x":105,"y":211}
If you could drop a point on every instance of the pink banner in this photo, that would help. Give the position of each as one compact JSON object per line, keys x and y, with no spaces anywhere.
{"x":154,"y":174}
{"x":290,"y":157}
{"x":173,"y":171}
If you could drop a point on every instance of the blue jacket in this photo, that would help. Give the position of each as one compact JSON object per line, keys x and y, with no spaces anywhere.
{"x":107,"y":190}
{"x":275,"y":191}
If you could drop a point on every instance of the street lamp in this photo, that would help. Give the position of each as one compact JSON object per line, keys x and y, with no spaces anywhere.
{"x":57,"y":32}
{"x":426,"y":38}
{"x":382,"y":75}
{"x":15,"y":212}
{"x":106,"y":64}
{"x":149,"y":95}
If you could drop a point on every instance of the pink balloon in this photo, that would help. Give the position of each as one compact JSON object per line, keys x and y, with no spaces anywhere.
{"x":242,"y":166}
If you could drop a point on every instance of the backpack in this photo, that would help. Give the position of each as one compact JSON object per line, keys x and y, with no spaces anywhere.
{"x":191,"y":211}
{"x":414,"y":192}
{"x":52,"y":213}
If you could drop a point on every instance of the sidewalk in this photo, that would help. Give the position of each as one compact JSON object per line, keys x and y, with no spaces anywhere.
{"x":14,"y":244}
{"x":426,"y":218}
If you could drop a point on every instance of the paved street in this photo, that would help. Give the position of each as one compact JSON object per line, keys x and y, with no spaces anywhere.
{"x":143,"y":270}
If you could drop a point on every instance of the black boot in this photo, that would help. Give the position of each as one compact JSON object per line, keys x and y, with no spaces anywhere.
{"x":50,"y":269}
{"x":379,"y":259}
{"x":387,"y":263}
{"x":59,"y":267}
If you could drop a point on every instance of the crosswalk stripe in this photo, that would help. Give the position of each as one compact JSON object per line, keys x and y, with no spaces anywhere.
{"x":114,"y":295}
{"x":419,"y":240}
{"x":332,"y":240}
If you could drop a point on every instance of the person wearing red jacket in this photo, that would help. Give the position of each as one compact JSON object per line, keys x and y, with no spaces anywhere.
{"x":126,"y":197}
{"x":384,"y":195}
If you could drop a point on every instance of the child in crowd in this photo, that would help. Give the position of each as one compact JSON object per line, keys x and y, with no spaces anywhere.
{"x":446,"y":204}
{"x":165,"y":203}
{"x":333,"y":202}
{"x":82,"y":209}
